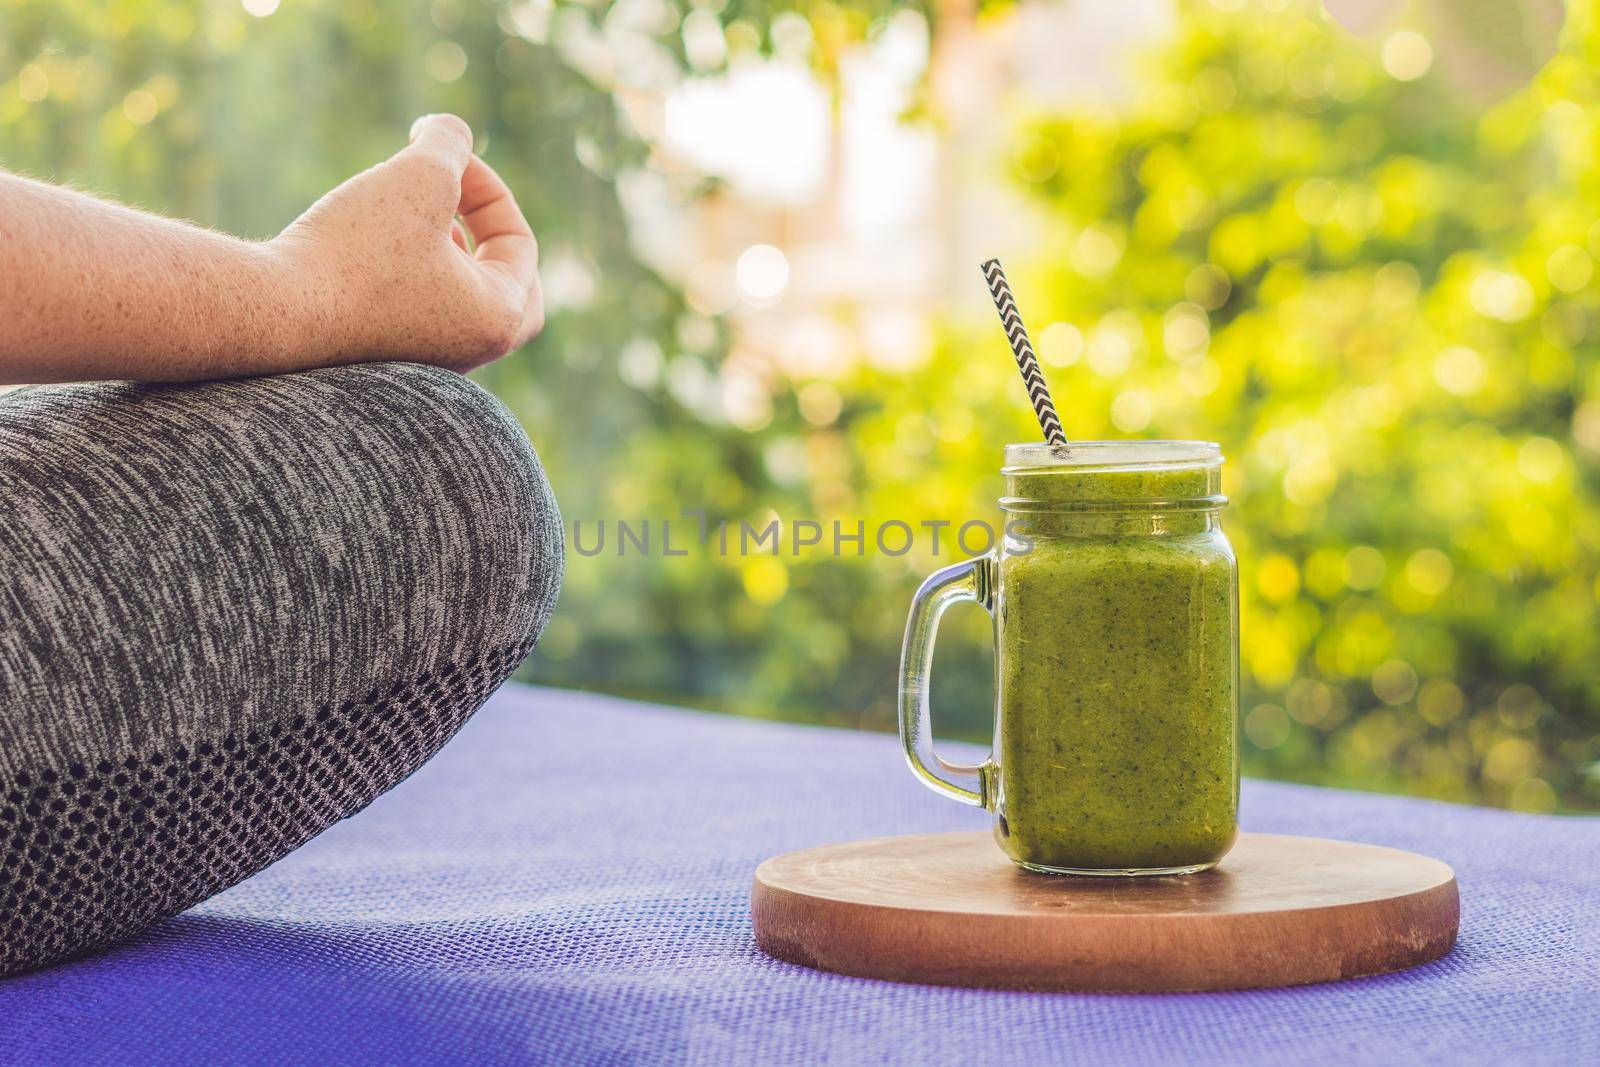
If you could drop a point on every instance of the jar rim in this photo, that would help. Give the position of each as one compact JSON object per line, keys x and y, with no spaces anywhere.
{"x":1112,"y":455}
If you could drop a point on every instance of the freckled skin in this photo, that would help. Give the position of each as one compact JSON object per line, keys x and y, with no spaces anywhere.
{"x":377,"y":269}
{"x":1118,"y":679}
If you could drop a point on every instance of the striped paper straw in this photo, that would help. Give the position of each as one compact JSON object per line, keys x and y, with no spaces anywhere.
{"x":1032,"y":376}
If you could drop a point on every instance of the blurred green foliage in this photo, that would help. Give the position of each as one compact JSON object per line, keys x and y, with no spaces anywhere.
{"x":1378,"y":295}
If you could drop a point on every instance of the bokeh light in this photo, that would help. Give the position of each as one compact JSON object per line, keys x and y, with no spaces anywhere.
{"x":1407,"y":55}
{"x":762,"y":273}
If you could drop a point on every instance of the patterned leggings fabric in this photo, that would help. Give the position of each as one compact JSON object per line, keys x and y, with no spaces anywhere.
{"x":234,"y":613}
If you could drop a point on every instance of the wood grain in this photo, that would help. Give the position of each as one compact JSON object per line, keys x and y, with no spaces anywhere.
{"x":950,"y":909}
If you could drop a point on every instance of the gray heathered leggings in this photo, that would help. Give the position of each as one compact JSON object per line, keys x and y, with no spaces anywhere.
{"x":234,"y":613}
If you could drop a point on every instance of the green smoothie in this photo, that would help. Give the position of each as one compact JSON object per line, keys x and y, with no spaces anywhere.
{"x":1115,"y":621}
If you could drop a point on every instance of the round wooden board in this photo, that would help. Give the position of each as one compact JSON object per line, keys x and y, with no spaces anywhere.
{"x":951,"y":909}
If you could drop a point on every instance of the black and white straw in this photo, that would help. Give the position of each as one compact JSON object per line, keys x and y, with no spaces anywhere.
{"x":1032,"y":376}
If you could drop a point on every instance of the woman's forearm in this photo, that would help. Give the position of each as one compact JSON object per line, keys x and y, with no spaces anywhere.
{"x":93,"y":290}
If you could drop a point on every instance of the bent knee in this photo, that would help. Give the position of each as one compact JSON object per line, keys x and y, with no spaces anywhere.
{"x":353,"y":525}
{"x":483,"y":514}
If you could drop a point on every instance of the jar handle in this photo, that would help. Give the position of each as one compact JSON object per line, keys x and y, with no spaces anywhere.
{"x":967,"y":581}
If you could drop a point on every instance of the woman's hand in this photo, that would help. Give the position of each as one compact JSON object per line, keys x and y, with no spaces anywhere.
{"x":388,"y":272}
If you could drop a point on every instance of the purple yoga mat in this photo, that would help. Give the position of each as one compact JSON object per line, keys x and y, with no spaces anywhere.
{"x":567,"y":882}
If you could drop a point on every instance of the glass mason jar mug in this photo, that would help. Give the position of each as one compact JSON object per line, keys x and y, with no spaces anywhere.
{"x":1114,"y":595}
